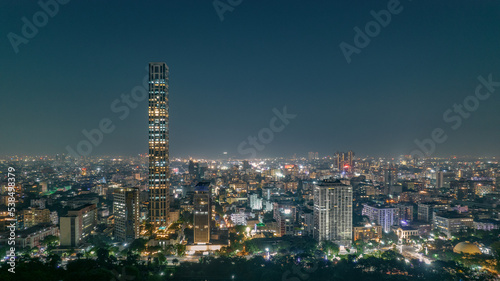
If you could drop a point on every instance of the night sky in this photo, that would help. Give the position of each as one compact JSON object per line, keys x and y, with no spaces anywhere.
{"x":227,"y":76}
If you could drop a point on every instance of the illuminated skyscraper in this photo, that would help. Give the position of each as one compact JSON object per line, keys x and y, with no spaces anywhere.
{"x":333,"y":212}
{"x":202,"y":213}
{"x":158,"y":144}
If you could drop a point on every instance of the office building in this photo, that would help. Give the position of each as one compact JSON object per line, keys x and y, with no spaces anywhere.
{"x":202,"y":210}
{"x":451,"y":223}
{"x":426,"y":212}
{"x":77,"y":225}
{"x":405,"y":214}
{"x":158,"y":144}
{"x":333,"y":212}
{"x":126,"y":212}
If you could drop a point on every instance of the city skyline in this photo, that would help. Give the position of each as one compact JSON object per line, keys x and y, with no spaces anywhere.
{"x":250,"y":140}
{"x":227,"y":84}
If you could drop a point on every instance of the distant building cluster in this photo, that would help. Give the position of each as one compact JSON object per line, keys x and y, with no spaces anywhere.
{"x":201,"y":203}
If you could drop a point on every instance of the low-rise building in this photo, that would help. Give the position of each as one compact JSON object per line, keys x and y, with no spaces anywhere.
{"x":405,"y":232}
{"x":451,"y":223}
{"x":367,"y":232}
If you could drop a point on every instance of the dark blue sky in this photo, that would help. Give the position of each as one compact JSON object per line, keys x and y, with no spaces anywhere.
{"x":227,"y":76}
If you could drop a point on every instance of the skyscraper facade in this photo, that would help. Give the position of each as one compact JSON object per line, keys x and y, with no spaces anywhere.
{"x":333,"y":212}
{"x":158,"y":144}
{"x":202,"y":213}
{"x":126,"y":212}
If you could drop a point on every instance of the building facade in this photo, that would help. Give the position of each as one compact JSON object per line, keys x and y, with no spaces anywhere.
{"x":158,"y":144}
{"x":451,"y":223}
{"x":333,"y":212}
{"x":77,"y":225}
{"x":202,"y":213}
{"x":126,"y":211}
{"x":367,"y":232}
{"x":384,"y":216}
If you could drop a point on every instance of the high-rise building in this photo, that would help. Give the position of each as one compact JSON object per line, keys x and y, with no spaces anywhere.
{"x":344,"y":161}
{"x":350,"y":158}
{"x":333,"y":212}
{"x":158,"y":144}
{"x":202,"y":210}
{"x":285,"y":216}
{"x":405,"y":213}
{"x":390,"y":177}
{"x":126,"y":211}
{"x":77,"y":225}
{"x":70,"y":231}
{"x":385,"y":216}
{"x":439,"y":179}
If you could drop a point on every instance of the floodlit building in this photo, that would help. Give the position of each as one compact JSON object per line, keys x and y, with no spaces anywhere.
{"x":384,"y":216}
{"x":333,"y":212}
{"x":367,"y":232}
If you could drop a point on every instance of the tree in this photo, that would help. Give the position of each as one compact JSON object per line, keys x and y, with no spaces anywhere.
{"x":50,"y":241}
{"x":161,"y":258}
{"x":138,"y":245}
{"x":149,"y":229}
{"x":169,"y":249}
{"x":495,"y":246}
{"x":181,"y":249}
{"x":102,"y":255}
{"x":330,"y":248}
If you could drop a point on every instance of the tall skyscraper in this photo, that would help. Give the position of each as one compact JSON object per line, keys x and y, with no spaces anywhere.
{"x":158,"y":144}
{"x":202,"y":213}
{"x":333,"y":212}
{"x":126,"y":212}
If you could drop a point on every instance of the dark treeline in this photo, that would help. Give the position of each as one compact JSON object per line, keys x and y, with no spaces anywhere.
{"x":389,"y":266}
